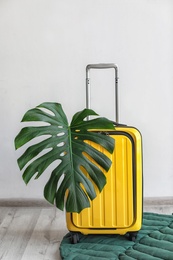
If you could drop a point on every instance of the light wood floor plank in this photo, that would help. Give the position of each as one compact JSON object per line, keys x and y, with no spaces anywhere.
{"x":46,"y":237}
{"x":3,"y":213}
{"x":6,"y":217}
{"x":31,"y":233}
{"x":18,"y":232}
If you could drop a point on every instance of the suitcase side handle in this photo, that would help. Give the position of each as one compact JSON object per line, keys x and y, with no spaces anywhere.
{"x":102,"y":66}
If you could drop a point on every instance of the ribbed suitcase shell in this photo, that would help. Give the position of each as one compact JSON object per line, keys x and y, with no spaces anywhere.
{"x":118,"y":208}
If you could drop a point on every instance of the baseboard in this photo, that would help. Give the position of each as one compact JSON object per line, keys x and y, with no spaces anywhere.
{"x":24,"y":203}
{"x":156,"y":201}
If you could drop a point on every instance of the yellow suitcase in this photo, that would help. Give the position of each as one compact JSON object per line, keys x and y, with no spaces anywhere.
{"x":118,"y":208}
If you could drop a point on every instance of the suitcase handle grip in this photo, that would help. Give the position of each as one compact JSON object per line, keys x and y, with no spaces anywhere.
{"x":102,"y":66}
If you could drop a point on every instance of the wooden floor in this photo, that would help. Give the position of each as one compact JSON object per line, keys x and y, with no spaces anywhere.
{"x":35,"y":232}
{"x":31,"y":233}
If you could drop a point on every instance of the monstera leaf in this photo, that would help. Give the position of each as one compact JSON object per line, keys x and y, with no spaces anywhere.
{"x":79,"y":166}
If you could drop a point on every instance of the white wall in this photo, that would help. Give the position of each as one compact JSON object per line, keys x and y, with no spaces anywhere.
{"x":44,"y":48}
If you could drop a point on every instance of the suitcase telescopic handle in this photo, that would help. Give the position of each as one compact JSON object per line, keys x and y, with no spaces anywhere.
{"x":88,"y":93}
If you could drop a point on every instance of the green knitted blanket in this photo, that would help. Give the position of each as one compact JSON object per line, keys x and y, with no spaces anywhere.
{"x":154,"y":242}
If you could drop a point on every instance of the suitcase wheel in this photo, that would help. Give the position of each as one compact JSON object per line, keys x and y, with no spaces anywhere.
{"x":133,"y":236}
{"x":74,"y":238}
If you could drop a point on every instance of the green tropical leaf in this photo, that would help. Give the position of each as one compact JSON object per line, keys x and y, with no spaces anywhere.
{"x":80,"y":165}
